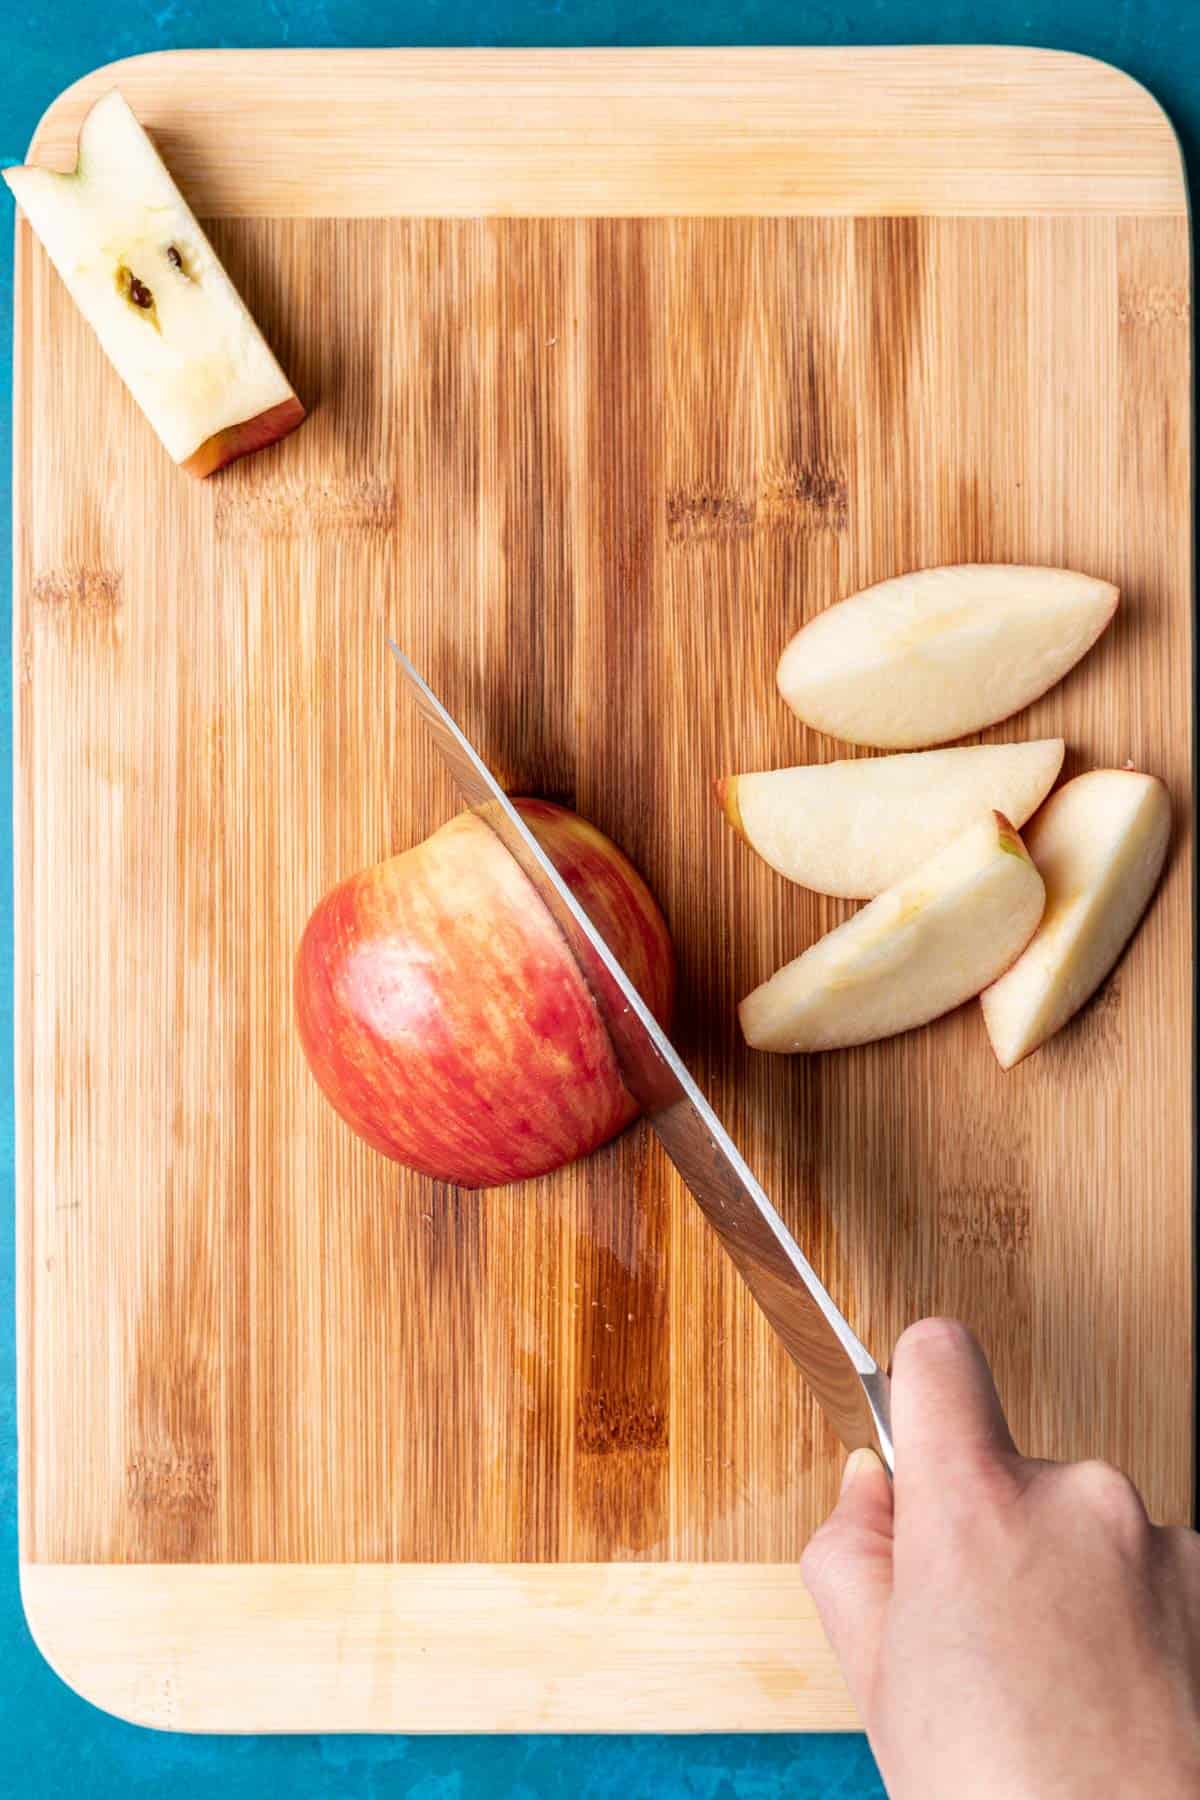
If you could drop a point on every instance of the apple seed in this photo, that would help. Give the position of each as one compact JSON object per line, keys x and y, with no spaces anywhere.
{"x":134,"y":290}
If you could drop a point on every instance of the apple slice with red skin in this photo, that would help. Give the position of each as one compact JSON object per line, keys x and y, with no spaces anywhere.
{"x":444,"y":1016}
{"x":150,"y":285}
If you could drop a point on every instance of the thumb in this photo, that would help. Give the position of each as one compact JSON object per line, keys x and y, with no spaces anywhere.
{"x":847,"y":1568}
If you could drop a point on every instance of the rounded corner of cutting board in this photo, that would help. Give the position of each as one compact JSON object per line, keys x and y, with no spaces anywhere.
{"x":56,"y":133}
{"x":1142,"y":110}
{"x":81,"y":1662}
{"x":428,"y":1648}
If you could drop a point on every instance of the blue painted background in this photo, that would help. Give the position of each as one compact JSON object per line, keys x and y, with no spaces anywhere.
{"x":51,"y":1743}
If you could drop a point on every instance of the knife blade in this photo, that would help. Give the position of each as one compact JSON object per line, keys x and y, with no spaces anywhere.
{"x":844,"y":1377}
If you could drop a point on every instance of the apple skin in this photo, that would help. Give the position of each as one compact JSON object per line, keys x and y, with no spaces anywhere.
{"x":444,"y":1017}
{"x":725,"y":789}
{"x":245,"y":438}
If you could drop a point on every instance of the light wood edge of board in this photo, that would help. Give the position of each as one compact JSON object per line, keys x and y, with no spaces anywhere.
{"x":428,"y":1647}
{"x":464,"y":133}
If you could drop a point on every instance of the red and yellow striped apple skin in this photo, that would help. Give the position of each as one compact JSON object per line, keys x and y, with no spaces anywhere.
{"x":444,"y":1017}
{"x":244,"y":438}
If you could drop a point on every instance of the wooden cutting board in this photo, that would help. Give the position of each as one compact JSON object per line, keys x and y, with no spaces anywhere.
{"x":620,"y":366}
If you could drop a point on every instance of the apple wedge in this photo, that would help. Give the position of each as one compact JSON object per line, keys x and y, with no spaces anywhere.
{"x":855,"y":828}
{"x":1099,"y":844}
{"x":932,"y":656}
{"x":920,"y":949}
{"x":148,"y":282}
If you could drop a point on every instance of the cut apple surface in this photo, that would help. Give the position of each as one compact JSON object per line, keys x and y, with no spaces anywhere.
{"x":934,"y":655}
{"x":916,"y":951}
{"x":855,"y":828}
{"x":1099,"y":844}
{"x":146,"y":279}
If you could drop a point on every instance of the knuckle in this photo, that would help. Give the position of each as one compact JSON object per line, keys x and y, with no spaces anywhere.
{"x":1110,"y":1496}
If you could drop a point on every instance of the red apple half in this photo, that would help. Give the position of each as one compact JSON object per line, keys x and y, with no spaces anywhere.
{"x":447,"y":1021}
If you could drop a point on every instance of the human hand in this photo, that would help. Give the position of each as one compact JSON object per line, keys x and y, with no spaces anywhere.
{"x":1009,"y":1629}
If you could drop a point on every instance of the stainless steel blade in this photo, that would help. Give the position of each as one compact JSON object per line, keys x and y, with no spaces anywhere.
{"x":851,"y":1387}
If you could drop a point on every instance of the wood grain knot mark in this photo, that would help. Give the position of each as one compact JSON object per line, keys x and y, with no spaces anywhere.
{"x":607,"y":1423}
{"x":164,"y":1483}
{"x":1154,"y":305}
{"x":704,"y":512}
{"x":82,"y":593}
{"x":811,"y":497}
{"x":792,"y":498}
{"x":304,"y":509}
{"x":994,"y":1219}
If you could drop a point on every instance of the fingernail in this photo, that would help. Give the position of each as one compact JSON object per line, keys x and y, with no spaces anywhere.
{"x":857,"y":1463}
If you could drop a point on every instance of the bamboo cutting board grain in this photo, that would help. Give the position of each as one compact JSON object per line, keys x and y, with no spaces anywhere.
{"x":620,"y":366}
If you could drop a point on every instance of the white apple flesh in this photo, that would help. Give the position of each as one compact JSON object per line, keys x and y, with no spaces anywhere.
{"x":915,"y":952}
{"x":1100,"y":844}
{"x":932,"y":656}
{"x":147,"y":280}
{"x":854,"y":828}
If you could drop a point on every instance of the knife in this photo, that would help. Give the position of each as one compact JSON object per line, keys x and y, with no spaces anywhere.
{"x":845,"y":1379}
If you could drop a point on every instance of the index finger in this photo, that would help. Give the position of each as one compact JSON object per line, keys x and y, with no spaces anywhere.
{"x":945,"y":1408}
